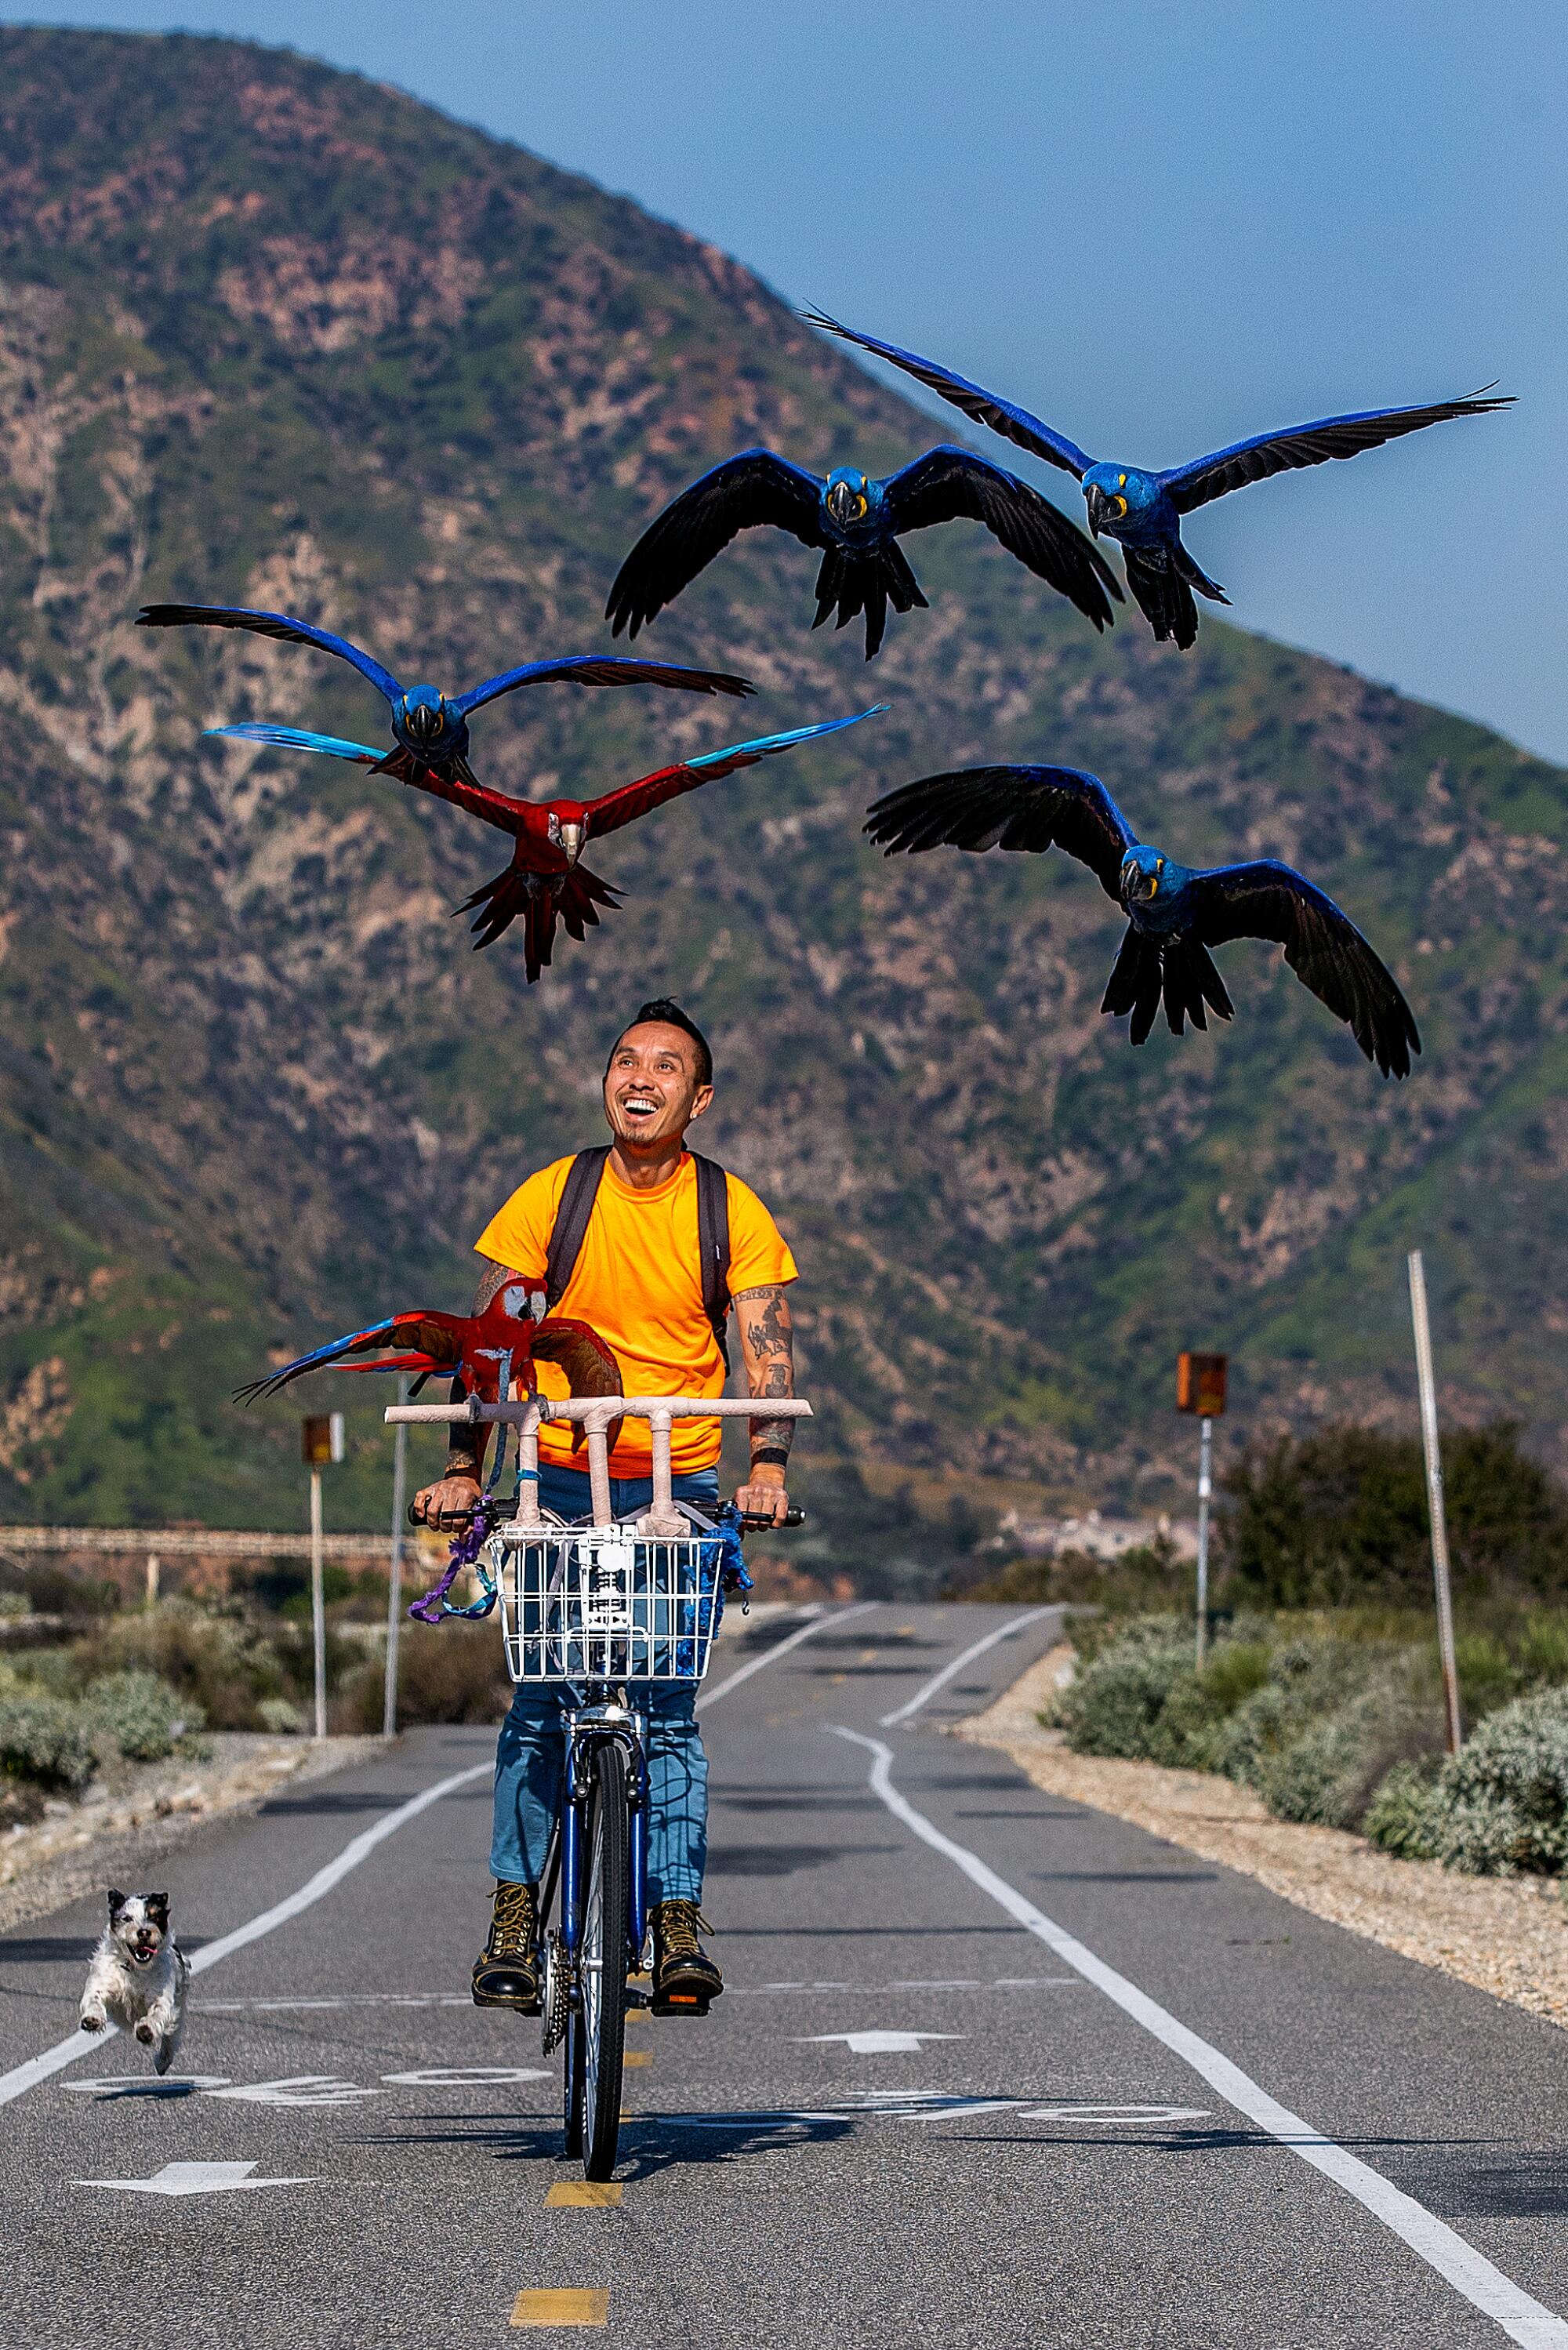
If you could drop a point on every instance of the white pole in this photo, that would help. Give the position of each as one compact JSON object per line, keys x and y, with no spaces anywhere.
{"x":395,"y":1579}
{"x":1429,"y":1389}
{"x":153,"y":1572}
{"x":318,"y":1603}
{"x":1205,"y":1486}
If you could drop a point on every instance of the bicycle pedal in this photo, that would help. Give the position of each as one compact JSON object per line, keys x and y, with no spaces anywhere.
{"x":682,"y":2003}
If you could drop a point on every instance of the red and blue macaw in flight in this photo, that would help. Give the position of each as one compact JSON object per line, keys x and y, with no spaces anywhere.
{"x":544,"y":881}
{"x":486,"y":1352}
{"x":429,"y":728}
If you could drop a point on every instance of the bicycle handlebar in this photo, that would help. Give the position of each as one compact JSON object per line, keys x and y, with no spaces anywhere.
{"x":459,"y":1521}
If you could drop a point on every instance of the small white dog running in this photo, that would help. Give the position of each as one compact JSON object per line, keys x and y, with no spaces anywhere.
{"x":138,"y":1976}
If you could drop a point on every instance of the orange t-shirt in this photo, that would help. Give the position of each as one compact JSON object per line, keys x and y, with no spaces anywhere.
{"x":635,"y":1282}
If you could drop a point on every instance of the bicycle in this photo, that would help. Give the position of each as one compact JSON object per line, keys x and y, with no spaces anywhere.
{"x":596,"y":1607}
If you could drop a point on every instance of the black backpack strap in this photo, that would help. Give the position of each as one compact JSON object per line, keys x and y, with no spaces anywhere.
{"x":569,"y":1230}
{"x":714,"y":1245}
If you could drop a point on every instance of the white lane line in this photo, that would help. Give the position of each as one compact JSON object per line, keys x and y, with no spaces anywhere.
{"x":940,"y":1680}
{"x":781,"y":1648}
{"x":1523,"y":2320}
{"x":23,"y":2077}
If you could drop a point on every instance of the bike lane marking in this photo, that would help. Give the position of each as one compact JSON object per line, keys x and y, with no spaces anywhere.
{"x":562,"y":2305}
{"x":949,"y":1672}
{"x":781,"y":1648}
{"x":1523,"y":2319}
{"x":28,"y":2076}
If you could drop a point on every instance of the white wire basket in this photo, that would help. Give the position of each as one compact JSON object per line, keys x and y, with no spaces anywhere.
{"x":605,"y":1604}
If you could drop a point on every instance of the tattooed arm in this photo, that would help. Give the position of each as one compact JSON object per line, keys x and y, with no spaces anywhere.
{"x":458,"y":1488}
{"x":767,"y":1349}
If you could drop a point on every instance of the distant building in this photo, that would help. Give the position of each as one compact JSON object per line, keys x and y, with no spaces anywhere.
{"x":1100,"y":1536}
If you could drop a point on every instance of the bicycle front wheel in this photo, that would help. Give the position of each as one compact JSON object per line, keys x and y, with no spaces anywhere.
{"x":602,"y":1964}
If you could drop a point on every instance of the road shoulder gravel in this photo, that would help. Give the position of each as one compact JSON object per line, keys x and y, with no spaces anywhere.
{"x":1506,"y":1936}
{"x":116,"y":1836}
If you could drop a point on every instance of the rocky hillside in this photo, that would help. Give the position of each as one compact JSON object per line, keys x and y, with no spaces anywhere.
{"x":270,"y":334}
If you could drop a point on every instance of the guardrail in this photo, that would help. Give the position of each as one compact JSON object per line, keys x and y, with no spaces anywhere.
{"x":188,"y":1541}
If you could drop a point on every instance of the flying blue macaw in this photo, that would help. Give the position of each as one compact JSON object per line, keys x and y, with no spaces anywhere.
{"x":546,"y":879}
{"x":1175,"y":912}
{"x":857,"y":521}
{"x":1143,"y":510}
{"x":429,"y":728}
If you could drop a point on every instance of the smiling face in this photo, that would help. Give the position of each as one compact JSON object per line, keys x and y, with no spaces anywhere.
{"x":652,"y":1089}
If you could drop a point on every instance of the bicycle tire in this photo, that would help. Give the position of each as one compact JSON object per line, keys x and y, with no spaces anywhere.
{"x":573,"y":2089}
{"x":602,"y":1964}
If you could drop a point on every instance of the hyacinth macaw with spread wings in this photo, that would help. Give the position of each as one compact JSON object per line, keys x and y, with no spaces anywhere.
{"x":1143,"y":509}
{"x":857,"y":520}
{"x":430,"y":728}
{"x":486,"y":1352}
{"x":545,"y":882}
{"x":1175,"y":912}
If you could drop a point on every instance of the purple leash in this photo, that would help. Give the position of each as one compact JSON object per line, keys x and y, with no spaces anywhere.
{"x":466,"y":1549}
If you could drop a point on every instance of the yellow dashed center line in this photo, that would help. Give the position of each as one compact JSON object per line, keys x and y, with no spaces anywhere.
{"x":584,"y":2195}
{"x":563,"y":2306}
{"x":637,"y":2056}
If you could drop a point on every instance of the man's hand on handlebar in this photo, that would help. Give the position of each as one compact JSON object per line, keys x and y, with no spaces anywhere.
{"x":447,"y":1506}
{"x":764,"y":1496}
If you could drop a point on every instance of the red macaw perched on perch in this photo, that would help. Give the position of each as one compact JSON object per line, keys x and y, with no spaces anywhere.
{"x":485,"y":1351}
{"x":545,"y":882}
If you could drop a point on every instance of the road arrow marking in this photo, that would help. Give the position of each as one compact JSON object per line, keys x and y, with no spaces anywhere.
{"x":196,"y":2178}
{"x":879,"y":2043}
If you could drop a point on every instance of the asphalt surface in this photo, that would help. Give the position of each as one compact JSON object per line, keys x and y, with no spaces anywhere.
{"x":1014,"y":2157}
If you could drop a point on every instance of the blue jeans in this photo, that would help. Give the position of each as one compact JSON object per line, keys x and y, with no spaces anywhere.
{"x":532,"y":1749}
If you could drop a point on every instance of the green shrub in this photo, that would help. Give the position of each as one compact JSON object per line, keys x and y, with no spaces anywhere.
{"x":454,"y":1672}
{"x":44,"y":1739}
{"x":1401,"y":1816}
{"x":1143,"y":1696}
{"x":1501,"y":1803}
{"x":221,"y":1661}
{"x":1340,"y":1515}
{"x":146,"y":1718}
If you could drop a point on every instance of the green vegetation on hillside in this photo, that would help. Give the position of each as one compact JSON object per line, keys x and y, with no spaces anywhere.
{"x":270,"y":333}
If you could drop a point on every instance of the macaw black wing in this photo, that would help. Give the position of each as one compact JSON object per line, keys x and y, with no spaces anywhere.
{"x":632,"y":800}
{"x":1031,"y":808}
{"x":756,"y":488}
{"x":598,"y":668}
{"x":269,"y":624}
{"x":1015,"y":424}
{"x":1322,"y":947}
{"x":1206,"y":478}
{"x":948,"y":483}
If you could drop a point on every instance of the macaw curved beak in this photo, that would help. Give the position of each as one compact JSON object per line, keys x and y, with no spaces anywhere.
{"x":841,"y":502}
{"x":1098,"y":505}
{"x":572,"y":842}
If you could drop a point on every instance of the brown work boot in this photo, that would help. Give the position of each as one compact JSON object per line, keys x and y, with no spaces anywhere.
{"x":506,"y":1972}
{"x":685,"y":1979}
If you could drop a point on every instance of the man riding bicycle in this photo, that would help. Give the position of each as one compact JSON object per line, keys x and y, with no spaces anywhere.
{"x":651,"y":1246}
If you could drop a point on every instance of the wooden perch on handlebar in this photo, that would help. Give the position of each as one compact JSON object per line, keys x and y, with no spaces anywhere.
{"x":662,"y":1521}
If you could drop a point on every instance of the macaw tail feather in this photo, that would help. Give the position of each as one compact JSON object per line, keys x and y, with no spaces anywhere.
{"x":540,"y":899}
{"x":1134,"y":984}
{"x":319,"y":1358}
{"x":1162,"y":581}
{"x":853,"y":583}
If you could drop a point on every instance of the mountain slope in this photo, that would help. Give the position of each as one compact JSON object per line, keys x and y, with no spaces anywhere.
{"x":271,"y":334}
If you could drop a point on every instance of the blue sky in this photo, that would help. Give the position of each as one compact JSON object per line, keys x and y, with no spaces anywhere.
{"x":1160,"y":225}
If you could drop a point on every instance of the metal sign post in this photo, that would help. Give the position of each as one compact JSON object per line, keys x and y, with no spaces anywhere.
{"x":1200,"y":1382}
{"x":1429,"y":1390}
{"x":395,"y":1579}
{"x":320,"y":1442}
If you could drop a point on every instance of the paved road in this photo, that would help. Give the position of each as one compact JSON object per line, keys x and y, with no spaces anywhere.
{"x":993,"y":2069}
